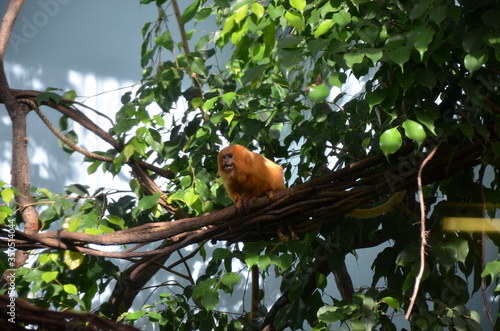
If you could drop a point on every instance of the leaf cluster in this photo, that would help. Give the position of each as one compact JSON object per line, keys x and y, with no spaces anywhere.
{"x":315,"y":86}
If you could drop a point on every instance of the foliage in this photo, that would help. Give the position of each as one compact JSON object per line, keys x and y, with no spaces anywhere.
{"x":276,"y":77}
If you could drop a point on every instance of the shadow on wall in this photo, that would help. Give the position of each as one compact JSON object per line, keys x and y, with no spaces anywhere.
{"x":53,"y":38}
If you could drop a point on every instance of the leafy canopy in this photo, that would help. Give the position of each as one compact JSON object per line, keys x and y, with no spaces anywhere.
{"x":278,"y":77}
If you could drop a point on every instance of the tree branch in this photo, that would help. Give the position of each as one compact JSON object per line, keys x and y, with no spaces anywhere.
{"x":302,"y":207}
{"x":423,"y":232}
{"x":8,"y":24}
{"x":32,"y":316}
{"x":18,"y":114}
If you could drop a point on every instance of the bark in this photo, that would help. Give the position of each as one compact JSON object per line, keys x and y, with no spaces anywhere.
{"x":18,"y":113}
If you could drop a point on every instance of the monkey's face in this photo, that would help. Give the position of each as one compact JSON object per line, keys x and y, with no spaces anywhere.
{"x":228,"y":162}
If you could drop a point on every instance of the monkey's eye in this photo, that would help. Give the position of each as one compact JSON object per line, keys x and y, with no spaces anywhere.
{"x":230,"y":155}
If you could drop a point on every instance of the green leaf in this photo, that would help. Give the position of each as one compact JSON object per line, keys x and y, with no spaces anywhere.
{"x":374,"y":54}
{"x":46,"y":97}
{"x":491,"y":269}
{"x":438,"y":14}
{"x":376,"y":97}
{"x":446,"y":254}
{"x":203,"y":14}
{"x":70,"y":288}
{"x":69,"y":95}
{"x":298,"y":4}
{"x":128,"y":151}
{"x":4,"y":213}
{"x":210,"y":103}
{"x":400,"y":56}
{"x":353,"y":57}
{"x":319,"y":93}
{"x":290,"y":58}
{"x":230,"y":279}
{"x":321,"y":281}
{"x":117,"y":220}
{"x":462,"y":248}
{"x":78,"y":189}
{"x":284,"y":261}
{"x":370,"y":33}
{"x":289,"y":41}
{"x":7,"y":195}
{"x":415,"y":131}
{"x":154,"y":316}
{"x":342,"y":18}
{"x":251,"y":259}
{"x":422,"y":39}
{"x":73,"y":137}
{"x":392,"y":302}
{"x":196,"y":102}
{"x":197,"y":65}
{"x":190,"y":197}
{"x":48,"y":214}
{"x":323,"y":28}
{"x":390,"y":141}
{"x":73,"y":259}
{"x":148,"y":202}
{"x":210,"y":299}
{"x":241,"y":14}
{"x":228,"y":98}
{"x":49,"y":276}
{"x":473,"y":62}
{"x":253,"y":73}
{"x":405,"y":79}
{"x":165,"y":40}
{"x":294,"y":19}
{"x":258,"y":9}
{"x":418,"y":10}
{"x":264,"y":262}
{"x":190,"y":12}
{"x":203,"y":286}
{"x":337,"y":79}
{"x":135,"y":315}
{"x":329,"y":314}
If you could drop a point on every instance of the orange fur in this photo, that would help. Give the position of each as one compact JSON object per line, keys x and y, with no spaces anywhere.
{"x":246,"y":174}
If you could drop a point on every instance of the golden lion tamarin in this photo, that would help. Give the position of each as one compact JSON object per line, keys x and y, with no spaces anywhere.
{"x":246,"y":174}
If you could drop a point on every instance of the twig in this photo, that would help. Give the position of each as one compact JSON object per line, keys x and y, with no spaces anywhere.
{"x":185,"y":46}
{"x":8,"y":24}
{"x":423,"y":232}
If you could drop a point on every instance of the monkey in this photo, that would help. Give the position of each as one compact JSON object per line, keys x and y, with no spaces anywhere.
{"x":246,"y":174}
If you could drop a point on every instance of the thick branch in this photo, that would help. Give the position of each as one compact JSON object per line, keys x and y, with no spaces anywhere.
{"x":18,"y":114}
{"x":29,"y":315}
{"x":302,"y":207}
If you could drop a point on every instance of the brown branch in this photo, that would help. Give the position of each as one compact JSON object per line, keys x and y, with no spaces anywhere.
{"x":82,"y":119}
{"x":31,"y":316}
{"x":18,"y":114}
{"x":132,"y":281}
{"x":8,"y":24}
{"x":423,"y":232}
{"x":344,"y":282}
{"x":302,"y":207}
{"x":135,"y":277}
{"x":185,"y":46}
{"x":320,"y":265}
